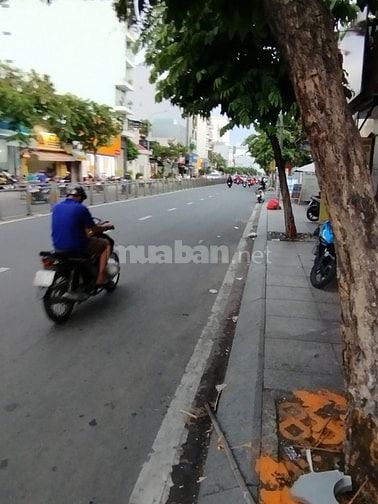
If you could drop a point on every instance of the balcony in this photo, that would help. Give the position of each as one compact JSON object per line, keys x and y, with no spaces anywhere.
{"x":125,"y":85}
{"x":123,"y":109}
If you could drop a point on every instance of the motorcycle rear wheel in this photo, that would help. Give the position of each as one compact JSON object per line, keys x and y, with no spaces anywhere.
{"x":114,"y":282}
{"x":57,"y":309}
{"x":322,"y":272}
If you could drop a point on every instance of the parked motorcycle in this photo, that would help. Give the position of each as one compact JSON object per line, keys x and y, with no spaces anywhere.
{"x":313,"y":209}
{"x":260,"y":196}
{"x":324,"y":268}
{"x":39,"y":193}
{"x":67,"y":279}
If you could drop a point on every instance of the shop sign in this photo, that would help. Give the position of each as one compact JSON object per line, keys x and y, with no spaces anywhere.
{"x":46,"y":140}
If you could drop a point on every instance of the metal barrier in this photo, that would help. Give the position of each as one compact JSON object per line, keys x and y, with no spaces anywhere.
{"x":31,"y":199}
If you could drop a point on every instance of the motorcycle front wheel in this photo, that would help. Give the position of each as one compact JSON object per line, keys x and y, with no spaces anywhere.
{"x":323,"y":272}
{"x":56,"y":307}
{"x":312,"y":214}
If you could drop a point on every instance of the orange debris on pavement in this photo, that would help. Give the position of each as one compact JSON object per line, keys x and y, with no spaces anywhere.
{"x":306,"y":419}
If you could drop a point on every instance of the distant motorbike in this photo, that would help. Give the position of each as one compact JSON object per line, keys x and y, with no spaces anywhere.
{"x":313,"y":209}
{"x":229,"y":183}
{"x":67,"y":279}
{"x":324,"y":268}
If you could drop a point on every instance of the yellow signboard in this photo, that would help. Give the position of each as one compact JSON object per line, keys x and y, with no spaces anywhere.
{"x":46,"y":140}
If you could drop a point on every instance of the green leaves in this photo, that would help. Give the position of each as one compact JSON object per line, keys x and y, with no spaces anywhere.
{"x":28,"y":99}
{"x":291,"y":133}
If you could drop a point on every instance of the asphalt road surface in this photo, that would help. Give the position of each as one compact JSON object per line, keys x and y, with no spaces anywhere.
{"x":81,"y":404}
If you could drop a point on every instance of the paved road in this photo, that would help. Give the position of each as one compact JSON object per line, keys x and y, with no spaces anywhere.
{"x":80,"y":405}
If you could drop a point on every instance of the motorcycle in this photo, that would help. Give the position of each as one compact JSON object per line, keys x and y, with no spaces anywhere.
{"x":313,"y":209}
{"x":324,"y":268}
{"x":260,"y":196}
{"x":229,"y":183}
{"x":39,"y":194}
{"x":67,"y":279}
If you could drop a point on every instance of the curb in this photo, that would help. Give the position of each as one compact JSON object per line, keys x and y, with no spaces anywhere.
{"x":239,"y":411}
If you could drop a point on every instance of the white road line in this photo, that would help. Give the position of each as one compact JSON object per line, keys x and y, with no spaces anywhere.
{"x":146,"y":217}
{"x":200,"y":241}
{"x":202,"y":199}
{"x":210,"y":196}
{"x":190,"y":203}
{"x":171,"y":209}
{"x":154,"y":481}
{"x":2,"y":270}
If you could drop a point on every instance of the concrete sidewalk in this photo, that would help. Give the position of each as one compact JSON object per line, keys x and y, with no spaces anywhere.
{"x":286,"y":339}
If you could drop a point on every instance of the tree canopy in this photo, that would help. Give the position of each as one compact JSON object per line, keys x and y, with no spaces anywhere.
{"x":28,"y":99}
{"x":293,"y":145}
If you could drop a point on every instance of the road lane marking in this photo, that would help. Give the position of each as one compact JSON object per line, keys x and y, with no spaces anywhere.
{"x":145,"y":218}
{"x":3,"y":270}
{"x":210,"y":196}
{"x":154,"y":481}
{"x":190,"y":203}
{"x":202,"y":199}
{"x":171,"y":209}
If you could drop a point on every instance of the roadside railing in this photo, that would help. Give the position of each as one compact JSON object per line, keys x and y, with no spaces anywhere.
{"x":33,"y":198}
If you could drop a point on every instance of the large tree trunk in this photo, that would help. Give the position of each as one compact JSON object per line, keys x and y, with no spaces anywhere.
{"x":304,"y":31}
{"x":291,"y":230}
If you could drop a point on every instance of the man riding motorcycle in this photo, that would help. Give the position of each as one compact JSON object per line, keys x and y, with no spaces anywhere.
{"x":74,"y":231}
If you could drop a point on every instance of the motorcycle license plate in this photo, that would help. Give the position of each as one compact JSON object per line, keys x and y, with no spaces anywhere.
{"x":44,"y":278}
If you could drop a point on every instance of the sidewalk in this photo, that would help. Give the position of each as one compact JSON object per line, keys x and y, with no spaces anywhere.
{"x":286,"y":339}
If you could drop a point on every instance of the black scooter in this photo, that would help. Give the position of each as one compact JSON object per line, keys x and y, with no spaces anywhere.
{"x":324,"y":268}
{"x":67,"y":279}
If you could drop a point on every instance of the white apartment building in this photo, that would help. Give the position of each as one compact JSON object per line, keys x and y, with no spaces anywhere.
{"x":166,"y":120}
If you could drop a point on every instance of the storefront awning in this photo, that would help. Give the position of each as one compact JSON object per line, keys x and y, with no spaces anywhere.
{"x":60,"y":157}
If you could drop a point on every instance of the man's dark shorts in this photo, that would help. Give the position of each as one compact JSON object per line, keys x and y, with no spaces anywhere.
{"x":96,"y":246}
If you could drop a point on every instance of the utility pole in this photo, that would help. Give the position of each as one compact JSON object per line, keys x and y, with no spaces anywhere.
{"x":125,"y":144}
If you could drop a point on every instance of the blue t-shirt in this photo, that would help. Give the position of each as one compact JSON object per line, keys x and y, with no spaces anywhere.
{"x":70,"y":219}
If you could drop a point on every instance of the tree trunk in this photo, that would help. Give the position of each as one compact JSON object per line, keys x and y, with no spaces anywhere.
{"x":291,"y":230}
{"x":305,"y":34}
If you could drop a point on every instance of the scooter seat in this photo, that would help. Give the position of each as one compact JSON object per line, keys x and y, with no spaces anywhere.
{"x":65,"y":255}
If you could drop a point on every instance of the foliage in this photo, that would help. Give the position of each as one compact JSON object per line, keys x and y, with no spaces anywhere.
{"x":28,"y":99}
{"x":260,"y":147}
{"x":25,"y":99}
{"x":168,"y":153}
{"x":87,"y":122}
{"x":145,"y":127}
{"x":240,"y":69}
{"x":132,"y":150}
{"x":218,"y":161}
